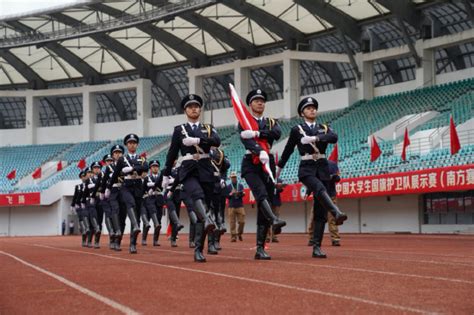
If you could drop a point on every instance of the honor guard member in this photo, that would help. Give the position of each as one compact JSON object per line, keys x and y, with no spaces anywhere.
{"x":151,"y":207}
{"x":258,"y":180}
{"x":334,"y":178}
{"x":112,"y":195}
{"x":76,"y":205}
{"x":130,"y":167}
{"x":221,"y":164}
{"x":174,"y":194}
{"x":104,"y":203}
{"x":194,"y":141}
{"x":85,"y":206}
{"x":312,"y":140}
{"x":89,"y":199}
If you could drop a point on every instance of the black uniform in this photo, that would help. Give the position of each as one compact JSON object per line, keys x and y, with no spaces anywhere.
{"x":89,"y":198}
{"x":221,"y":166}
{"x":152,"y":206}
{"x":257,"y":179}
{"x":196,"y":172}
{"x":82,"y":215}
{"x":313,"y":171}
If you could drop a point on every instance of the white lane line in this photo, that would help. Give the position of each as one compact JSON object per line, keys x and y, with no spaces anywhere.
{"x":296,"y":250}
{"x":269,"y":283}
{"x":387,"y":273}
{"x":115,"y":305}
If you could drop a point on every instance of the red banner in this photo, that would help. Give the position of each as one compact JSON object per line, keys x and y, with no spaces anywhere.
{"x":25,"y":199}
{"x":417,"y":182}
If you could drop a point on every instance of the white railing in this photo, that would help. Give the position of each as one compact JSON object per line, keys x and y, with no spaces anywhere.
{"x":127,"y":20}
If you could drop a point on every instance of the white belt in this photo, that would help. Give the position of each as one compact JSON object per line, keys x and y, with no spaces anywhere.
{"x":250,"y":152}
{"x":132,"y":177}
{"x":315,"y":156}
{"x":117,"y":185}
{"x":195,"y":156}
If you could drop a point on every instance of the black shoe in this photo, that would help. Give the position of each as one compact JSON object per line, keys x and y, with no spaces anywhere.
{"x":211,"y":249}
{"x":155,"y":243}
{"x":133,"y":249}
{"x":240,"y":238}
{"x":96,"y":245}
{"x":217,"y":245}
{"x":261,"y":254}
{"x":317,"y":253}
{"x":275,"y":240}
{"x":89,"y":245}
{"x":277,"y":224}
{"x":144,"y":242}
{"x":340,"y":218}
{"x":192,"y":245}
{"x":198,"y":256}
{"x":336,"y":243}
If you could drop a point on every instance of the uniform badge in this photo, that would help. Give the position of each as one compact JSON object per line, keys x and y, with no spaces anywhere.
{"x":191,"y":97}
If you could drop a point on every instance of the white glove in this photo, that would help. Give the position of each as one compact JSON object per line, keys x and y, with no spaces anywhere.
{"x":101,"y":196}
{"x":150,"y":184}
{"x":83,"y":206}
{"x":190,"y":141}
{"x":127,"y":169}
{"x":263,"y":156}
{"x":150,"y":192}
{"x":90,"y":186}
{"x":107,"y":193}
{"x":165,"y":182}
{"x":169,"y":194}
{"x":222,"y":183}
{"x":278,"y":171}
{"x":92,"y":201}
{"x":309,"y":139}
{"x":77,"y":207}
{"x":249,"y":134}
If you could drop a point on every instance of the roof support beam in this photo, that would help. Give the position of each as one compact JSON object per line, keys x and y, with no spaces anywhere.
{"x":196,"y":57}
{"x":116,"y":101}
{"x":290,"y":34}
{"x":35,"y":82}
{"x":168,"y":88}
{"x":91,"y":76}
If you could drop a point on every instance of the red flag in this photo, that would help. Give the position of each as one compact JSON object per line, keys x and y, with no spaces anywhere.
{"x":37,"y":173}
{"x":453,"y":136}
{"x":11,"y":175}
{"x":248,"y":123}
{"x":406,"y":143}
{"x":59,"y":167}
{"x":334,"y":154}
{"x":143,"y":155}
{"x":102,"y":163}
{"x":81,"y":164}
{"x":375,"y":151}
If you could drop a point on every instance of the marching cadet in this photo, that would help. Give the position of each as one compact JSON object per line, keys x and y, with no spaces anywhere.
{"x":152,"y":208}
{"x":312,"y":140}
{"x":105,"y":203}
{"x":174,"y":195}
{"x":194,"y":141}
{"x":112,"y":195}
{"x":76,"y":205}
{"x":258,"y":180}
{"x":131,"y":167}
{"x":90,"y":200}
{"x":221,"y":164}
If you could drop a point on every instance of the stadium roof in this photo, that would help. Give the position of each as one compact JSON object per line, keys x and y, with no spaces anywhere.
{"x":98,"y":40}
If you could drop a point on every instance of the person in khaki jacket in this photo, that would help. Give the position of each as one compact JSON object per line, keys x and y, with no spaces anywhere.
{"x":236,"y":207}
{"x":331,"y":187}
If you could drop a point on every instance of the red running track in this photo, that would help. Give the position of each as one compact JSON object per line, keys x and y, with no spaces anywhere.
{"x":368,"y":273}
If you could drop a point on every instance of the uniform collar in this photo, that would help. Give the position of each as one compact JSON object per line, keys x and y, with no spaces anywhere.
{"x":191,"y":124}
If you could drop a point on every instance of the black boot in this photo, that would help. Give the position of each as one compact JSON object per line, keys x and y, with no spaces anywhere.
{"x":84,"y":240}
{"x":199,"y":240}
{"x":217,"y":241}
{"x":110,"y":229}
{"x":134,"y":230}
{"x":261,"y":254}
{"x":201,"y":213}
{"x":175,"y":221}
{"x":192,"y":233}
{"x":318,"y":234}
{"x":118,"y":242}
{"x":211,"y":248}
{"x":118,"y":232}
{"x":271,"y":217}
{"x":156,"y":235}
{"x":331,"y":207}
{"x":97,"y":240}
{"x":84,"y":233}
{"x":89,"y":239}
{"x":220,"y":224}
{"x":146,"y":228}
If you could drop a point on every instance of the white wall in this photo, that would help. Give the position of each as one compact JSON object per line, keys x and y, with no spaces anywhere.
{"x":10,"y":137}
{"x":395,"y":88}
{"x":114,"y":130}
{"x":4,"y":220}
{"x":455,"y":76}
{"x":398,"y":215}
{"x":164,"y":125}
{"x":59,"y":134}
{"x":38,"y":220}
{"x":335,"y":99}
{"x":447,"y":228}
